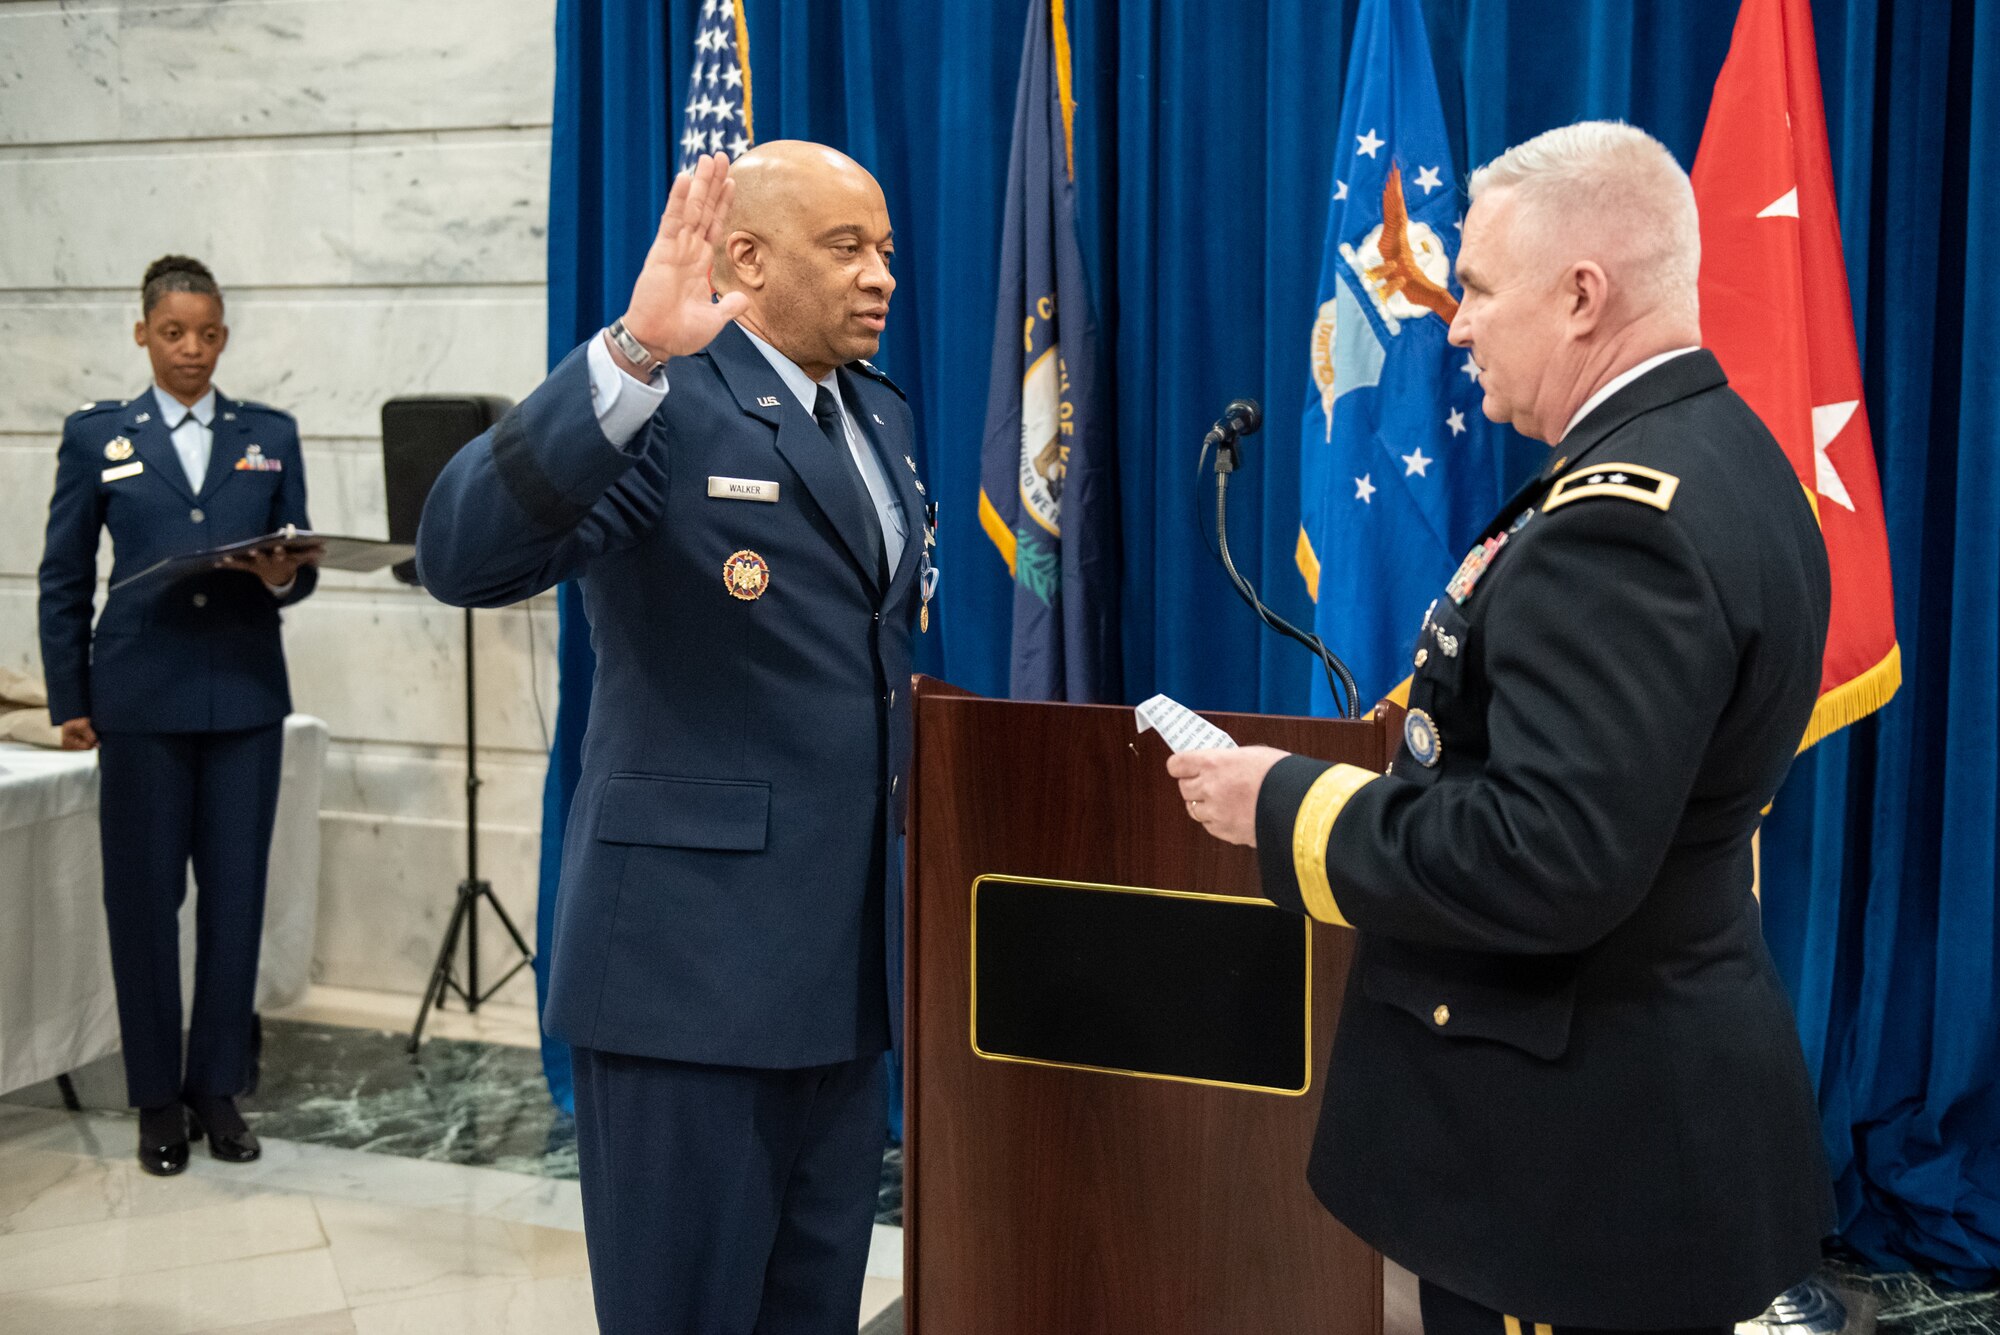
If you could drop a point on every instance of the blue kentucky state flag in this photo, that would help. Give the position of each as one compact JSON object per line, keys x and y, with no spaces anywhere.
{"x":1399,"y":468}
{"x":1047,"y":495}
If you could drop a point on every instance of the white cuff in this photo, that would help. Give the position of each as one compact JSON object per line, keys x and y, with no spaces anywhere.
{"x":280,"y":590}
{"x":621,"y":401}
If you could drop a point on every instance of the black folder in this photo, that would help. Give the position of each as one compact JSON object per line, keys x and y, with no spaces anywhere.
{"x":336,"y":553}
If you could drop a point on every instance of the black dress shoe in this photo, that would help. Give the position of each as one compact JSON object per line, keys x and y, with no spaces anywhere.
{"x":229,"y":1138}
{"x":163,"y":1143}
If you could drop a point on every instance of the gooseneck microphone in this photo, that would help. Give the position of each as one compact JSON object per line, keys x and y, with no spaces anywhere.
{"x":1242,"y":418}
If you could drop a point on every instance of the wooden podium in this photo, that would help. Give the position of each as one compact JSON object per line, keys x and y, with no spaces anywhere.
{"x":1045,"y":1193}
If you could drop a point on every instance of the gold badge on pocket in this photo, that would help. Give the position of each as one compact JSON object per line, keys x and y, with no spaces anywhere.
{"x":746,"y":575}
{"x":118,"y":449}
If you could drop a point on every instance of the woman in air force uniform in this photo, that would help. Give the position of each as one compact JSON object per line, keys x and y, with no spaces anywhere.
{"x":181,"y":688}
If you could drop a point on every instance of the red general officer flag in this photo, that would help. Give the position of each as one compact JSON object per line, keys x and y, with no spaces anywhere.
{"x":1775,"y":311}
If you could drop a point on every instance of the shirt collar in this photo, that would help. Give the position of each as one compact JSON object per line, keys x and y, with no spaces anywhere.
{"x":173,"y":412}
{"x":804,"y":388}
{"x":1619,"y":381}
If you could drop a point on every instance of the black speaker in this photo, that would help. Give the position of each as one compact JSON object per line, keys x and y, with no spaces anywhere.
{"x":420,"y":433}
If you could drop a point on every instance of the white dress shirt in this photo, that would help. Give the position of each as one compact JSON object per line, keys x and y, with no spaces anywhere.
{"x":1619,"y":381}
{"x":623,"y":402}
{"x":193,"y":432}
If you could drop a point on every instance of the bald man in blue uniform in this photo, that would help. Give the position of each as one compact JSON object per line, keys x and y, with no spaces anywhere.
{"x":734,"y":489}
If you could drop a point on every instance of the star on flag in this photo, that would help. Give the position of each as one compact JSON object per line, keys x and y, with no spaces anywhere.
{"x":1364,"y":490}
{"x":718,"y":111}
{"x":1415,"y":463}
{"x":1427,"y":178}
{"x":1456,"y":421}
{"x":1368,"y":145}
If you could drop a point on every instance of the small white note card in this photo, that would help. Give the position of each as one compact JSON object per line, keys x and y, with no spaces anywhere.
{"x":1180,"y":727}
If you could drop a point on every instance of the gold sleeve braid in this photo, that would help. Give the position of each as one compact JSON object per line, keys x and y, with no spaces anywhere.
{"x":1311,"y":828}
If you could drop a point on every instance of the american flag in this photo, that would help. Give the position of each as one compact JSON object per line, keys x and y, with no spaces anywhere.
{"x":718,"y":106}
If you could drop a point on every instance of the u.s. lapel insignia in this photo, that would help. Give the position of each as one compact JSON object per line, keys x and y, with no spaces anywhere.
{"x":142,"y":419}
{"x":767,"y":401}
{"x":1420,"y":735}
{"x":118,"y":449}
{"x":746,"y":575}
{"x":878,"y":419}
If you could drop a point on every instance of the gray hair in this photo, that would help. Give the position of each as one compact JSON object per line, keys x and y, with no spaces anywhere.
{"x":1616,"y":192}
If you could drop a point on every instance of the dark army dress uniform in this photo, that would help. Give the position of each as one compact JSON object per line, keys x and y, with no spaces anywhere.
{"x":1566,"y":1083}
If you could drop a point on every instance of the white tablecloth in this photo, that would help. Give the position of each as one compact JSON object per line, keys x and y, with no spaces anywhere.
{"x":58,"y":1008}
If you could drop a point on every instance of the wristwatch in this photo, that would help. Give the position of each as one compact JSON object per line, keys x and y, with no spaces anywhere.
{"x":633,"y":350}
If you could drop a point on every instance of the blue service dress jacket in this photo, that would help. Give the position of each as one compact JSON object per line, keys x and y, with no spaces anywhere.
{"x":199,"y":654}
{"x":728,"y":891}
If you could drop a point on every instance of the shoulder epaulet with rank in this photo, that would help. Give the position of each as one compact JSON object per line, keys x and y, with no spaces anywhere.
{"x":1625,"y":482}
{"x":100,"y":406}
{"x":874,"y":372}
{"x":249,"y":405}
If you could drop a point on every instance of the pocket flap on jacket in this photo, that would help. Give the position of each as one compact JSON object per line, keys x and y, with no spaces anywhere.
{"x":1525,"y":1003}
{"x":684,"y":813}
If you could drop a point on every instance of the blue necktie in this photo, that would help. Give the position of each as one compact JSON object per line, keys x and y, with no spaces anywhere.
{"x":827,"y":413}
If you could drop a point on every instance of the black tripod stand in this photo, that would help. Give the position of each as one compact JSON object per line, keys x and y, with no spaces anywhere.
{"x":471,"y":891}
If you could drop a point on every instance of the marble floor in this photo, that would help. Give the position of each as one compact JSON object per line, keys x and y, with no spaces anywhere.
{"x":436,"y":1195}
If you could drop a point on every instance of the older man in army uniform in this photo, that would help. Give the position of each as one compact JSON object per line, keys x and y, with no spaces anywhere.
{"x":1566,"y":1089}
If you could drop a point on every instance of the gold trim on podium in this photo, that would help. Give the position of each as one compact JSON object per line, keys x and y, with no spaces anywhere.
{"x":972,"y":1034}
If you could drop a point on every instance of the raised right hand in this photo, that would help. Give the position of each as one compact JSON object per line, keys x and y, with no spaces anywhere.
{"x":671,"y":312}
{"x":78,"y":735}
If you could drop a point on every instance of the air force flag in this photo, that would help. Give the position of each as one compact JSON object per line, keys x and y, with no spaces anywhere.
{"x":1399,"y":468}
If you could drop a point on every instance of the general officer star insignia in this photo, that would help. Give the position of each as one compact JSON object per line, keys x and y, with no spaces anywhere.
{"x":1625,"y":482}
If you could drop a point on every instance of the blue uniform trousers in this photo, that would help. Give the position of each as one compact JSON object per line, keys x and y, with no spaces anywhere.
{"x":165,"y":798}
{"x":723,"y":1200}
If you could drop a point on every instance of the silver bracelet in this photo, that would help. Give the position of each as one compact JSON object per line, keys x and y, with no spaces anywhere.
{"x":633,"y":350}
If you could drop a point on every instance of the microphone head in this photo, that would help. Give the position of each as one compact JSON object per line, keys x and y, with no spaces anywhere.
{"x":1245,"y":416}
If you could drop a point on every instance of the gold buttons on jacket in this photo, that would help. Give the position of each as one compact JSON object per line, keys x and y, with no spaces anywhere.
{"x":196,"y":515}
{"x":1442,"y":1015}
{"x":1423,"y":657}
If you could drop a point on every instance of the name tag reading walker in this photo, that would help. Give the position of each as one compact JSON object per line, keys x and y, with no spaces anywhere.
{"x":741,"y":489}
{"x":132,"y":469}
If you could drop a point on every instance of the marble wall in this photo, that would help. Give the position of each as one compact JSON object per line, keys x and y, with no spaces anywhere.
{"x":369,"y":181}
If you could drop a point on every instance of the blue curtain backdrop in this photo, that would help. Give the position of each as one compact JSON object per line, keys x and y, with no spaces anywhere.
{"x":1204,"y":148}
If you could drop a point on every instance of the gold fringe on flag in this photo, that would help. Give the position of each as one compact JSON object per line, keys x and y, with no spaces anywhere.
{"x":743,"y":59}
{"x":1857,"y":698}
{"x":996,"y":529}
{"x":1063,"y":86}
{"x":1308,"y":563}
